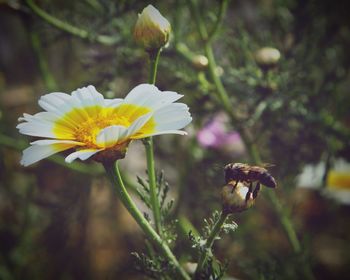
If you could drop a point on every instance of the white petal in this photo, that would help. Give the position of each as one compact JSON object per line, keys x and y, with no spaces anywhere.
{"x":56,"y":102}
{"x":61,"y":103}
{"x":82,"y":154}
{"x":173,"y":116}
{"x":140,"y":91}
{"x":42,"y":116}
{"x":179,"y":132}
{"x":35,"y":128}
{"x":43,"y":128}
{"x":113,"y":102}
{"x":138,"y":124}
{"x":47,"y":116}
{"x":88,"y":96}
{"x":175,"y":124}
{"x":150,"y":96}
{"x":35,"y":153}
{"x":111,"y":135}
{"x":50,"y":142}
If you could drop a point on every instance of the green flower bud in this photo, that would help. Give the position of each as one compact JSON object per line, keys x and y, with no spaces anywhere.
{"x":267,"y":57}
{"x":236,"y":197}
{"x":152,"y":30}
{"x":190,"y":267}
{"x":200,"y":62}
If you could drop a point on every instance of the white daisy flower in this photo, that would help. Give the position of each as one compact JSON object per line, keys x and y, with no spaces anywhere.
{"x":100,"y":127}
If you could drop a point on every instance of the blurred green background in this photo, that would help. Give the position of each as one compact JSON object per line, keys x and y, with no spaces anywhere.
{"x":63,"y":222}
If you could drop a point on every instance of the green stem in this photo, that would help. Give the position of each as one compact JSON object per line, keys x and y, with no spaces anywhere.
{"x":154,"y":59}
{"x":209,"y":243}
{"x":79,"y":32}
{"x":220,"y":17}
{"x":216,"y":79}
{"x":116,"y":179}
{"x":49,"y":80}
{"x":286,"y":222}
{"x":153,"y":184}
{"x":186,"y":226}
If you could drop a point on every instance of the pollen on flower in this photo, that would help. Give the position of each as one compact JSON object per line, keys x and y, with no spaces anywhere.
{"x":86,"y":123}
{"x":88,"y":130}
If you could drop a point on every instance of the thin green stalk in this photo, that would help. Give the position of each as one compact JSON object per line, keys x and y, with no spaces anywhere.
{"x":67,"y":27}
{"x":219,"y":19}
{"x":286,"y":222}
{"x":154,"y":59}
{"x":198,"y":19}
{"x":209,"y":243}
{"x":186,"y":226}
{"x":153,"y":184}
{"x":216,"y":79}
{"x":49,"y":80}
{"x":117,"y":181}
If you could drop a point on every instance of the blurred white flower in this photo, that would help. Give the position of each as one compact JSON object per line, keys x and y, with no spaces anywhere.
{"x":337,"y":184}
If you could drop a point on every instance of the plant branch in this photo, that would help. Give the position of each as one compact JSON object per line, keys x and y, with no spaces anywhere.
{"x":116,"y":179}
{"x":209,"y":243}
{"x":251,"y":147}
{"x":69,"y":28}
{"x":154,"y":60}
{"x":48,"y":79}
{"x":219,"y":19}
{"x":148,"y":142}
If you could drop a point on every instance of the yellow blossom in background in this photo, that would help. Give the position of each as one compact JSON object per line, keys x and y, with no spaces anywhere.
{"x":152,"y":30}
{"x":338,"y":180}
{"x":100,"y":127}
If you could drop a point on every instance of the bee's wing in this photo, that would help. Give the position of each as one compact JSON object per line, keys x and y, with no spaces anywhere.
{"x":268,"y":165}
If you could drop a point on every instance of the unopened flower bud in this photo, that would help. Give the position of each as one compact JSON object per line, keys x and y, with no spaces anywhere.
{"x":236,"y":197}
{"x":190,"y":267}
{"x":200,"y":61}
{"x":267,"y":57}
{"x":152,"y":30}
{"x":219,"y":71}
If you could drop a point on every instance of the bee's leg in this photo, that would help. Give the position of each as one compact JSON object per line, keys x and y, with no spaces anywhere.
{"x":234,"y":186}
{"x":249,"y":194}
{"x":256,"y":190}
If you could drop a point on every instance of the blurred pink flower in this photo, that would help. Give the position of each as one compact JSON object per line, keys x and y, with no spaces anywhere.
{"x":216,"y":135}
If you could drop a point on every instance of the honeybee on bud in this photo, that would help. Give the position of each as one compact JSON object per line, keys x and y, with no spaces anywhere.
{"x":237,"y":197}
{"x":241,"y":172}
{"x":238,"y":194}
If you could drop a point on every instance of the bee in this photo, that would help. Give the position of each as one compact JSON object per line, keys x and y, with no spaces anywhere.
{"x":241,"y":172}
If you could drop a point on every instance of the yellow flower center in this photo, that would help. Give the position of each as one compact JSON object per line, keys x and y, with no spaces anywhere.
{"x":84,"y":124}
{"x":87,"y":131}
